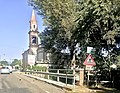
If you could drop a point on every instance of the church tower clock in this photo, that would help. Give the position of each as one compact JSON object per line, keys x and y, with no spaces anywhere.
{"x":33,"y":35}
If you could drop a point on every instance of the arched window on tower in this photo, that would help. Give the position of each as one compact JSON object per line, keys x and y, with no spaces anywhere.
{"x":34,"y":26}
{"x":34,"y":40}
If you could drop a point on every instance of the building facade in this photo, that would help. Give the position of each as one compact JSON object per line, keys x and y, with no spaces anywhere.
{"x":36,"y":54}
{"x":29,"y":56}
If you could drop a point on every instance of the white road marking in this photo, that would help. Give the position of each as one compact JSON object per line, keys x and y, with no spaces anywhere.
{"x":47,"y":92}
{"x":5,"y":83}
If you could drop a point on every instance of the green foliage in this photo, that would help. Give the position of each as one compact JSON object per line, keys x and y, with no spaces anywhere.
{"x":57,"y":13}
{"x":59,"y":17}
{"x":16,"y":62}
{"x":98,"y":25}
{"x":28,"y":68}
{"x":4,"y":63}
{"x":118,"y":58}
{"x":37,"y":68}
{"x":98,"y":22}
{"x":93,"y":23}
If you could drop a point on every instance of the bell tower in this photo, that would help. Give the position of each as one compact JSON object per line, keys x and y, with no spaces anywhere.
{"x":33,"y":34}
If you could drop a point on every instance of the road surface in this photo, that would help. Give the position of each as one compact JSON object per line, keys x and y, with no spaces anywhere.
{"x":18,"y":83}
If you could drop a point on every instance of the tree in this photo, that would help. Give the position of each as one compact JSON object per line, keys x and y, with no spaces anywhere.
{"x":98,"y":26}
{"x":3,"y":63}
{"x":16,"y":62}
{"x":87,"y":22}
{"x":57,"y":14}
{"x":59,"y":17}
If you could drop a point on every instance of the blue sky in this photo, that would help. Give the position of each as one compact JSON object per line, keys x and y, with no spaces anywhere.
{"x":14,"y":28}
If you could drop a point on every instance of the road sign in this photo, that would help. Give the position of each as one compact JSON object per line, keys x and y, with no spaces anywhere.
{"x":89,"y":49}
{"x":89,"y":61}
{"x":88,"y":67}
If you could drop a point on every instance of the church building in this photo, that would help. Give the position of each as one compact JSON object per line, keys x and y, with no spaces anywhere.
{"x":35,"y":53}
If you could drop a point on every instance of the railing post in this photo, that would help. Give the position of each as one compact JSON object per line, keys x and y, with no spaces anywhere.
{"x":66,"y":77}
{"x":40,"y":74}
{"x":48,"y":74}
{"x":48,"y":77}
{"x":58,"y":76}
{"x":74,"y":79}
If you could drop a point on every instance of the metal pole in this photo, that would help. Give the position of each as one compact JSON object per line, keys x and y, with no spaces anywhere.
{"x":96,"y":82}
{"x":88,"y":77}
{"x":48,"y":74}
{"x":66,"y":77}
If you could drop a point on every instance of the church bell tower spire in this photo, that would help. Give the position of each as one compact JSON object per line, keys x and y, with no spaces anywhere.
{"x":33,"y":34}
{"x":33,"y":22}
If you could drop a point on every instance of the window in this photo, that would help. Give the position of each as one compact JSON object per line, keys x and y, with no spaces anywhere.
{"x":33,"y":26}
{"x":34,"y":40}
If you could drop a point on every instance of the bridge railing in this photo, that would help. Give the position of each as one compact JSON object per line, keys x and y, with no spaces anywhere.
{"x":66,"y":76}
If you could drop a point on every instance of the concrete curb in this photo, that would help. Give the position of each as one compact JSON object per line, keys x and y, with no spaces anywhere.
{"x":64,"y":86}
{"x":58,"y":84}
{"x":67,"y":87}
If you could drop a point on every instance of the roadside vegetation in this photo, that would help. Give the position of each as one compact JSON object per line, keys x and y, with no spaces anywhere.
{"x":84,"y":23}
{"x":73,"y":25}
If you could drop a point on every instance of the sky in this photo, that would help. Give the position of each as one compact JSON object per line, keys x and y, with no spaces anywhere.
{"x":14,"y":27}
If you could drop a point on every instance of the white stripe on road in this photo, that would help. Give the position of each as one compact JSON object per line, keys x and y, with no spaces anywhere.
{"x":47,"y":92}
{"x":6,"y":85}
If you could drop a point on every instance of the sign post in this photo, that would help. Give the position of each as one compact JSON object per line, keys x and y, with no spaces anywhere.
{"x":89,"y":63}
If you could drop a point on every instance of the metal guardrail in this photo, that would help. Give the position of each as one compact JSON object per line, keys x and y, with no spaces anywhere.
{"x":57,"y":74}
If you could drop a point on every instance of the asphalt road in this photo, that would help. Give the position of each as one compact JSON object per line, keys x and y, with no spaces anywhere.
{"x":18,"y":83}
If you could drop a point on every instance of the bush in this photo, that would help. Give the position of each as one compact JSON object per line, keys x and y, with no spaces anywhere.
{"x":37,"y":68}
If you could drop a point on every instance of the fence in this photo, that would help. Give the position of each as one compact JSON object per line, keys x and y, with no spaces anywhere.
{"x":59,"y":75}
